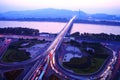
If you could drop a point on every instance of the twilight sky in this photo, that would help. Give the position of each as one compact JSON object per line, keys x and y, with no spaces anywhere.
{"x":89,"y":6}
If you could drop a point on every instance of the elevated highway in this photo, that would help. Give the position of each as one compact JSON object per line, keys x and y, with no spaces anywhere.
{"x":50,"y":51}
{"x":48,"y":59}
{"x":50,"y":54}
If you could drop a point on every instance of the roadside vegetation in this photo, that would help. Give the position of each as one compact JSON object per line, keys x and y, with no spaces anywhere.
{"x":19,"y":31}
{"x":93,"y":36}
{"x":53,"y":77}
{"x":12,"y":75}
{"x":0,"y":77}
{"x":91,"y":68}
{"x":93,"y":60}
{"x":14,"y":54}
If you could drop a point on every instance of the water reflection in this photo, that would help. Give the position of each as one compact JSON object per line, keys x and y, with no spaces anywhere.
{"x":55,"y":27}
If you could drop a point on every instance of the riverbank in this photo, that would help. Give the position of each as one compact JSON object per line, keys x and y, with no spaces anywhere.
{"x":63,"y":20}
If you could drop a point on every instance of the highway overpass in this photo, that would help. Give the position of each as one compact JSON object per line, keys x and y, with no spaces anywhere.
{"x":49,"y":52}
{"x":48,"y":59}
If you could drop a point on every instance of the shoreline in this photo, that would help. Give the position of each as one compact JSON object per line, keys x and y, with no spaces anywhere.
{"x":100,"y":22}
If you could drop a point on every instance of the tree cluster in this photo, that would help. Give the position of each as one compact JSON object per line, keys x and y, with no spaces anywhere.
{"x":93,"y":36}
{"x":102,"y":36}
{"x":19,"y":31}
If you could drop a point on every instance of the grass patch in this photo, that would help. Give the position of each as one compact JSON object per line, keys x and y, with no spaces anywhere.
{"x":12,"y":75}
{"x":30,"y":41}
{"x":97,"y":57}
{"x":1,"y":78}
{"x":100,"y":51}
{"x":13,"y":54}
{"x":95,"y":66}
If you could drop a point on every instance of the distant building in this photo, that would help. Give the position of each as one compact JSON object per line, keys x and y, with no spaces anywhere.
{"x":68,"y":39}
{"x":90,"y":49}
{"x":51,"y":35}
{"x":44,"y":34}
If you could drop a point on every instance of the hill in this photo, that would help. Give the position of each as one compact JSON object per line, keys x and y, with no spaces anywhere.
{"x":41,"y":13}
{"x":54,"y":15}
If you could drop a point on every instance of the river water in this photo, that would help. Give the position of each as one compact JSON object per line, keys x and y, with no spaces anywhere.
{"x":55,"y":27}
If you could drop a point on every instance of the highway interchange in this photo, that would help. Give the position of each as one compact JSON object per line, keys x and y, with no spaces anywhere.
{"x":49,"y":58}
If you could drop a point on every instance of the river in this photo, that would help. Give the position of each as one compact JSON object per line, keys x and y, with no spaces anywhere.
{"x":55,"y":27}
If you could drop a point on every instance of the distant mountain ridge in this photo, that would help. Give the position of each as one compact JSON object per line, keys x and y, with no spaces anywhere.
{"x":55,"y":13}
{"x":41,"y":13}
